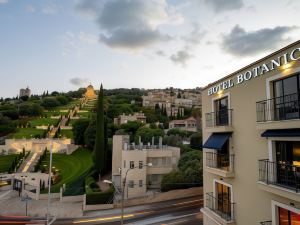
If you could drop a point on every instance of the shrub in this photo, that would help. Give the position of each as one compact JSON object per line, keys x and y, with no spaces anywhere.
{"x":93,"y":198}
{"x":173,"y":180}
{"x":196,"y":141}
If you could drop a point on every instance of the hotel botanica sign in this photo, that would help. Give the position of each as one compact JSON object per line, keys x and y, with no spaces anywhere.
{"x":282,"y":60}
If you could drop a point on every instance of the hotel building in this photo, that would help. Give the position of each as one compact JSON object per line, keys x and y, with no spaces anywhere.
{"x":251,"y":151}
{"x":132,"y":158}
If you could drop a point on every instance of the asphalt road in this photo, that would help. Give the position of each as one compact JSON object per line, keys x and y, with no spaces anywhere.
{"x":178,"y":212}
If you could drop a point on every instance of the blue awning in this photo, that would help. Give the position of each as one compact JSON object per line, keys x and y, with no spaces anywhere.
{"x":282,"y":133}
{"x":216,"y":140}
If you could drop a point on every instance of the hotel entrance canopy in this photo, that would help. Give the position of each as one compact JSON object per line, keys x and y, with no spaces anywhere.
{"x":282,"y":133}
{"x":217,"y":140}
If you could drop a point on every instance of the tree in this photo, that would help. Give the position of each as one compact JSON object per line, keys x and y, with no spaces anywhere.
{"x":99,"y":148}
{"x":90,"y":134}
{"x":172,"y":180}
{"x":147,"y":133}
{"x":196,"y":141}
{"x":50,"y":102}
{"x":79,"y":127}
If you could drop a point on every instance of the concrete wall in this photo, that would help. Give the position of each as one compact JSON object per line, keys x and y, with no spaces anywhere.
{"x":77,"y":198}
{"x":253,"y":205}
{"x":165,"y":196}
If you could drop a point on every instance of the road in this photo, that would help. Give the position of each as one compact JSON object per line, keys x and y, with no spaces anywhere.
{"x":177,"y":212}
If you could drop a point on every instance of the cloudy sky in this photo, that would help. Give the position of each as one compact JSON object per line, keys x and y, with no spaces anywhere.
{"x":62,"y":45}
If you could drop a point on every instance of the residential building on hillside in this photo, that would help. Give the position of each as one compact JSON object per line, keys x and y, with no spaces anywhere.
{"x":189,"y":124}
{"x":251,"y":151}
{"x":121,"y":119}
{"x":133,"y":158}
{"x":173,"y":100}
{"x":25,"y":92}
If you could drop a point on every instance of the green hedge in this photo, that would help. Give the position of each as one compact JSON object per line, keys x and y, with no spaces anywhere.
{"x":93,"y":198}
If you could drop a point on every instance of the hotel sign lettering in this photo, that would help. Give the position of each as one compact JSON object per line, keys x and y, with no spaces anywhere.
{"x":257,"y":71}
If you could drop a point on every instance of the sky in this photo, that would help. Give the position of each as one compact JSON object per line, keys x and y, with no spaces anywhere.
{"x":63,"y":45}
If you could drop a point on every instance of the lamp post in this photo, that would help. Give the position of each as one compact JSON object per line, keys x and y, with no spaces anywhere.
{"x":123,"y":189}
{"x":49,"y":188}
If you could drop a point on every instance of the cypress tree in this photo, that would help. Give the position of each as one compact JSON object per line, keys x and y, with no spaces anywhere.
{"x":99,"y":147}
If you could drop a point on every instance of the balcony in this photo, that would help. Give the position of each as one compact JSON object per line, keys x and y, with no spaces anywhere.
{"x":224,"y":209}
{"x":266,"y":223}
{"x":272,"y":111}
{"x":220,"y":120}
{"x":220,"y":164}
{"x":280,"y":178}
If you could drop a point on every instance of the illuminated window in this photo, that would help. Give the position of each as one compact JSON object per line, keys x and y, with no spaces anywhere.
{"x":287,"y":217}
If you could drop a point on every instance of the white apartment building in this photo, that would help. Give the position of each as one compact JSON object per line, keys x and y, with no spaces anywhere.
{"x":189,"y":124}
{"x":132,"y":158}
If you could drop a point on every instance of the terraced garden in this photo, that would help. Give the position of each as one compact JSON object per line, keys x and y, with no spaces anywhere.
{"x":70,"y":167}
{"x":5,"y":162}
{"x":43,"y":121}
{"x":28,"y":133}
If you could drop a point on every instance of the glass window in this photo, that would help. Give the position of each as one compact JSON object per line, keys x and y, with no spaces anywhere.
{"x":124,"y":163}
{"x":224,"y":198}
{"x":130,"y":184}
{"x":221,"y":111}
{"x":131,"y":164}
{"x":140,"y":183}
{"x":290,"y":85}
{"x":141,"y":164}
{"x":287,"y":217}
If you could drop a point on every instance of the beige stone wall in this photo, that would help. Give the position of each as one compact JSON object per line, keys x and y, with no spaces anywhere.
{"x":253,"y":205}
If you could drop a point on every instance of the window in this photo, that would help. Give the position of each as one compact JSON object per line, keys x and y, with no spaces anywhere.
{"x":131,"y":164}
{"x":140,"y":183}
{"x":286,"y":96}
{"x":221,"y":110}
{"x":154,"y":161}
{"x":130,"y":184}
{"x":124,"y":164}
{"x":223,"y":196}
{"x":164,"y":161}
{"x":141,"y":164}
{"x":287,"y":217}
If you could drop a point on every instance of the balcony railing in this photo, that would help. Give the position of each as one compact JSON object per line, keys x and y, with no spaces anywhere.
{"x":280,"y":108}
{"x":219,"y":118}
{"x":280,"y":174}
{"x":223,"y":208}
{"x":266,"y":223}
{"x":220,"y":161}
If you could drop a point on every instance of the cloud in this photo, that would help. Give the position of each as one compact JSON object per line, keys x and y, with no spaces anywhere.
{"x":131,"y":24}
{"x":50,"y":9}
{"x":30,"y":9}
{"x":160,"y":53}
{"x":224,"y":5}
{"x":3,"y":1}
{"x":182,"y":56}
{"x":195,"y":36}
{"x":242,"y":43}
{"x":77,"y":81}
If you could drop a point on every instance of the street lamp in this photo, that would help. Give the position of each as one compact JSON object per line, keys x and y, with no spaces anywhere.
{"x":49,"y":189}
{"x":123,"y":188}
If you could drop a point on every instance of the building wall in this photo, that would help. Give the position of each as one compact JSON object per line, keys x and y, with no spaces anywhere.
{"x":253,"y":204}
{"x":122,"y":159}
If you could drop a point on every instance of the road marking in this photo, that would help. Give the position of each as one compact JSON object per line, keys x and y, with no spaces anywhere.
{"x":183,"y":203}
{"x":6,"y":193}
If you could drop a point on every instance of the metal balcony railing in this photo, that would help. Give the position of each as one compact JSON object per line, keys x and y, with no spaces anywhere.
{"x":266,"y":223}
{"x":220,"y":161}
{"x":224,"y":208}
{"x":218,"y":118}
{"x":280,"y":174}
{"x":280,"y":108}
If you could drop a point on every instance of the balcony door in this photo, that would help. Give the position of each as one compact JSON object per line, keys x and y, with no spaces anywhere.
{"x":221,"y":109}
{"x":286,"y":98}
{"x":224,"y":199}
{"x":288,"y":163}
{"x":287,"y":217}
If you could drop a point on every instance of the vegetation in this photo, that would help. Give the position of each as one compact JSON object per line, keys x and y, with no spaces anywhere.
{"x":196,"y":141}
{"x":79,"y":127}
{"x":70,"y":168}
{"x":43,"y":121}
{"x":99,"y":147}
{"x":6,"y":162}
{"x":29,"y":133}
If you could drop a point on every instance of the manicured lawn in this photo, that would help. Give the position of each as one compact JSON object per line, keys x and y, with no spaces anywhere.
{"x":43,"y":121}
{"x":66,"y":133}
{"x":71,"y":167}
{"x":5,"y":162}
{"x":27,"y":133}
{"x":55,"y":113}
{"x":84,"y":114}
{"x":71,"y":123}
